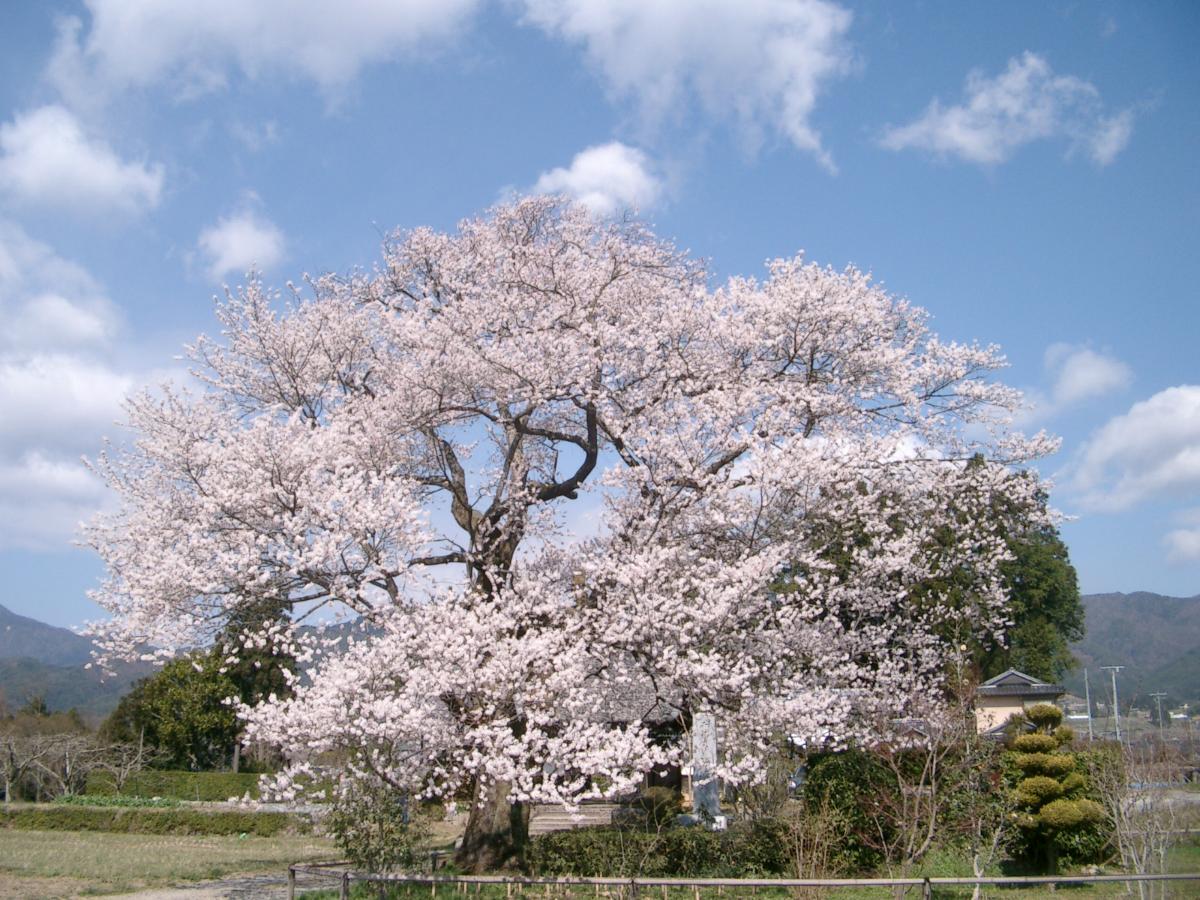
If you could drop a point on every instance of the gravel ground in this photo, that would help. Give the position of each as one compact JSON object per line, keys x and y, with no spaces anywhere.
{"x":268,"y":887}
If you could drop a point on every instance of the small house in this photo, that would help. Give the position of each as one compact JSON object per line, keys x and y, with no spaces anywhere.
{"x":1009,"y":693}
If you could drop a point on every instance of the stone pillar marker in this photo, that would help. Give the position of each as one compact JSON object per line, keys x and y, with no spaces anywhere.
{"x":706,"y":798}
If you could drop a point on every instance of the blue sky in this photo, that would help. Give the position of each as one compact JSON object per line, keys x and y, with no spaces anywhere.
{"x":1027,"y":172}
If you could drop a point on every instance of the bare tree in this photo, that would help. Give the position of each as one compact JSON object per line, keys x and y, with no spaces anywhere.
{"x":122,"y":761}
{"x":1127,"y":778}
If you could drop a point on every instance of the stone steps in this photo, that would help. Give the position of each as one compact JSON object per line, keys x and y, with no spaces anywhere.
{"x":546,"y":818}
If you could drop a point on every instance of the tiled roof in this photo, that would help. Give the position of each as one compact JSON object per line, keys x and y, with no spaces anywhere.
{"x":1017,"y":684}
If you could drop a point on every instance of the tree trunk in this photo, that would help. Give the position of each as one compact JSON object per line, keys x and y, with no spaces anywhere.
{"x":497,"y":831}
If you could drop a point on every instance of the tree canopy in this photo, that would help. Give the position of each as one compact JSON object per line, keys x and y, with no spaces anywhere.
{"x":560,"y":474}
{"x":1046,"y":610}
{"x":182,"y":712}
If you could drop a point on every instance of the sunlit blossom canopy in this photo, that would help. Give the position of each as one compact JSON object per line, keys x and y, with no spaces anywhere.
{"x":550,"y":463}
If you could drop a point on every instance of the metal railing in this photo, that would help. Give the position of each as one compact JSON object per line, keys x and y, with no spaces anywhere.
{"x":645,"y":887}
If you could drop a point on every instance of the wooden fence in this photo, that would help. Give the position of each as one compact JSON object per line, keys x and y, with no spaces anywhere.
{"x":647,"y":888}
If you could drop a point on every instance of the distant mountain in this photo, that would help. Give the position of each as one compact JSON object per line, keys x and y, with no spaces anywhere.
{"x":63,"y":687}
{"x":40,"y":660}
{"x":1156,"y":638}
{"x":22,"y":637}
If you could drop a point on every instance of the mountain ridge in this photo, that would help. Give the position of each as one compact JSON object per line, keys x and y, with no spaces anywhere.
{"x":50,"y":662}
{"x":1154,"y":636}
{"x":22,"y":636}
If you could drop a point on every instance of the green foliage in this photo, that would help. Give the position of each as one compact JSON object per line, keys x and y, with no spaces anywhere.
{"x":852,"y":786}
{"x":256,"y":671}
{"x":1088,"y":842}
{"x":376,"y":827}
{"x":1034,"y":743}
{"x":1074,"y":785}
{"x":1044,"y":716}
{"x":182,"y":711}
{"x":1064,"y":734}
{"x":1045,"y":608}
{"x":151,"y":821}
{"x":1055,"y":765}
{"x":758,"y":849}
{"x":1034,"y":792}
{"x":659,"y":805}
{"x":1059,"y":819}
{"x":208,"y":786}
{"x":1066,"y":814}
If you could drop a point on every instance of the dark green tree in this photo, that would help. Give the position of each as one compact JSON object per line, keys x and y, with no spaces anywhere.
{"x":1046,"y":611}
{"x":182,"y":711}
{"x":257,"y":669}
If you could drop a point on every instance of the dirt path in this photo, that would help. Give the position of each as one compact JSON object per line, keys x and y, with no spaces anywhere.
{"x":245,"y":887}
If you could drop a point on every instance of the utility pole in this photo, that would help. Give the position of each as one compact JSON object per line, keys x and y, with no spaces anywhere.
{"x":1113,"y":670}
{"x":1087,"y":694}
{"x":1158,"y":698}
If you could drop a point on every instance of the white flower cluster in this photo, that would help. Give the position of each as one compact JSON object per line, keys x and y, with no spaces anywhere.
{"x":801,"y":494}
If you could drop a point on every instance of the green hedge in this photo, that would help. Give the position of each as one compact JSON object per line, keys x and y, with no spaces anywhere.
{"x":209,"y":786}
{"x":754,"y":850}
{"x":151,"y":821}
{"x":118,"y":800}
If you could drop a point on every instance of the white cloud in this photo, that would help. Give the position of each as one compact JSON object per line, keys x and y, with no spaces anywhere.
{"x":761,"y":63}
{"x":195,"y":46}
{"x":1151,"y":451}
{"x":1081,"y":373}
{"x":239,"y":243}
{"x":42,"y":500}
{"x":1026,"y":102}
{"x":50,"y":319}
{"x":1183,"y":544}
{"x":47,"y":159}
{"x":1075,"y":374}
{"x":50,"y":400}
{"x":608,"y":179}
{"x":60,"y":391}
{"x":48,"y":302}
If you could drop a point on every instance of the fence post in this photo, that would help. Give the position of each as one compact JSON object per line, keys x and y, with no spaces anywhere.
{"x":291,"y":883}
{"x":344,"y":893}
{"x":927,"y":889}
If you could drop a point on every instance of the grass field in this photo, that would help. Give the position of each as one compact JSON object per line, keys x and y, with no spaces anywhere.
{"x":68,"y":863}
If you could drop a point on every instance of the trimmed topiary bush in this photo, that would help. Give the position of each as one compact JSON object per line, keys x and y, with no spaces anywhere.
{"x":1039,"y":790}
{"x":1073,"y":785}
{"x":1053,"y":765}
{"x":1035,"y":743}
{"x":1045,"y":716}
{"x":1058,"y":819}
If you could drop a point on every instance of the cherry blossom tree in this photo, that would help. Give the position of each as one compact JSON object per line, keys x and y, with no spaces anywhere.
{"x":560,"y":480}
